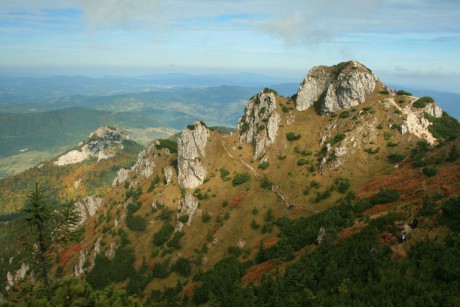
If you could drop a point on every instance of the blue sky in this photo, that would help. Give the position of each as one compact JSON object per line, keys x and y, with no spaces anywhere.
{"x":408,"y":42}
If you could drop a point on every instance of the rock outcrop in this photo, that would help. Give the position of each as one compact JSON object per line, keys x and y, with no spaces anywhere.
{"x":87,"y":207}
{"x":169,"y":174}
{"x":19,"y":275}
{"x":80,"y":266}
{"x":338,"y":87}
{"x":191,"y":148}
{"x":122,"y":175}
{"x":259,"y":124}
{"x":102,"y":144}
{"x":145,"y":164}
{"x":187,"y":206}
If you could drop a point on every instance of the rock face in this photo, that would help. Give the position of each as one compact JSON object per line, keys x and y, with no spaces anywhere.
{"x":20,"y":274}
{"x":191,"y":148}
{"x":122,"y":175}
{"x":338,"y":87}
{"x":87,"y":207}
{"x":80,"y":267}
{"x":145,"y":164}
{"x":102,"y":144}
{"x":259,"y":124}
{"x":187,"y":206}
{"x":169,"y":174}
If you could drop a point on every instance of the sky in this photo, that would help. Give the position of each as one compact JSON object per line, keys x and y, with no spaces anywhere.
{"x":414,"y":43}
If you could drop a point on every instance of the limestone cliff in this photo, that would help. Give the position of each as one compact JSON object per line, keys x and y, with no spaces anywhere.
{"x":259,"y":124}
{"x":191,"y":148}
{"x":338,"y":87}
{"x":102,"y":144}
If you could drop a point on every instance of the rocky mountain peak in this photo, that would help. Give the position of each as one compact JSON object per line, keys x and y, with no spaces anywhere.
{"x":191,"y":148}
{"x":102,"y":144}
{"x":341,"y":86}
{"x":259,"y":124}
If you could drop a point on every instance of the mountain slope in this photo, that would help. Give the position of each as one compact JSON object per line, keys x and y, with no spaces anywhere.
{"x":276,"y":197}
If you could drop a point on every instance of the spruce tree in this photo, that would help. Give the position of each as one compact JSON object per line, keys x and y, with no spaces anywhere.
{"x":49,"y":224}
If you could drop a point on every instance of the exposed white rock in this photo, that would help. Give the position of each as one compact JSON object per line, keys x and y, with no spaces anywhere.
{"x":169,"y":174}
{"x":259,"y":124}
{"x":321,"y":234}
{"x":20,"y":274}
{"x":187,"y":206}
{"x":191,"y":148}
{"x":110,"y":253}
{"x":80,"y":267}
{"x":122,"y":175}
{"x":87,"y":207}
{"x":101,"y":145}
{"x":341,"y":86}
{"x":145,"y":164}
{"x":433,"y":110}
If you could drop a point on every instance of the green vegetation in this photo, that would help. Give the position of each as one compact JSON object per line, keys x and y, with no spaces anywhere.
{"x":384,"y":92}
{"x":163,"y":235}
{"x":301,"y":162}
{"x":430,"y":171}
{"x":269,"y":90}
{"x":182,"y":266}
{"x":223,"y":174}
{"x":264,"y":165}
{"x":385,"y":196}
{"x":47,"y":225}
{"x":444,"y":128}
{"x":403,"y":92}
{"x":371,"y":150}
{"x":421,"y":103}
{"x":266,"y":184}
{"x":240,"y":179}
{"x":395,"y":158}
{"x":344,"y":114}
{"x":292,"y":136}
{"x":337,"y":138}
{"x":451,"y":210}
{"x":108,"y":271}
{"x":169,"y":144}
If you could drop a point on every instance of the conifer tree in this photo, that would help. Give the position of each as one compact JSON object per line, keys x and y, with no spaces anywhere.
{"x":49,"y":224}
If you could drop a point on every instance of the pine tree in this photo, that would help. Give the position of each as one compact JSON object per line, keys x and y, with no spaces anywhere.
{"x":50,"y":224}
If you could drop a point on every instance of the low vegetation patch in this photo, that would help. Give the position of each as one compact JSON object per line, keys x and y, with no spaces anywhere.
{"x":240,"y":179}
{"x":291,"y":136}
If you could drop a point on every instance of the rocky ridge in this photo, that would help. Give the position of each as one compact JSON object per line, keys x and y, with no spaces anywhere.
{"x":259,"y":124}
{"x":341,"y":86}
{"x":191,"y":149}
{"x":102,"y":144}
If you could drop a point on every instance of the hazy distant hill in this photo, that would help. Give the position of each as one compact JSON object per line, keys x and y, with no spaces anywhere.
{"x":46,"y":130}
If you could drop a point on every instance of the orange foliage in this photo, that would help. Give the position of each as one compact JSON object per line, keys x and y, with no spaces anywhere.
{"x":255,"y":273}
{"x":67,"y":253}
{"x":237,"y":199}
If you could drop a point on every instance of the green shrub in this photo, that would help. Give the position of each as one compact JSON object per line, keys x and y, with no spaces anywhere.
{"x":234,"y":251}
{"x":240,"y":179}
{"x":182,"y":266}
{"x":264,"y":165}
{"x":191,"y":127}
{"x":175,"y":241}
{"x":206,"y":217}
{"x":430,"y":171}
{"x":163,"y":235}
{"x":387,"y":135}
{"x":385,"y":196}
{"x":380,"y":126}
{"x":339,"y":137}
{"x":269,"y":90}
{"x":292,"y":136}
{"x":223,"y":174}
{"x":392,"y":144}
{"x":384,"y":92}
{"x":183,"y":218}
{"x":285,"y":109}
{"x":344,"y":114}
{"x":254,"y":225}
{"x":261,"y":127}
{"x":244,"y":128}
{"x":451,"y":210}
{"x":301,"y":162}
{"x":444,"y":128}
{"x":395,"y":158}
{"x":169,"y":144}
{"x":135,"y":223}
{"x":161,"y":270}
{"x":371,"y":150}
{"x":342,"y":184}
{"x":266,"y":184}
{"x":403,"y":92}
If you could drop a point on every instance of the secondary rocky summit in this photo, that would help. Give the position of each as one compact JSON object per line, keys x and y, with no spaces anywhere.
{"x":102,"y":144}
{"x":341,"y":86}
